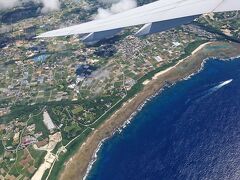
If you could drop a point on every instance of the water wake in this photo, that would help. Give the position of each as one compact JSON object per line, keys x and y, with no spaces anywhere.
{"x":210,"y":91}
{"x":222,"y":84}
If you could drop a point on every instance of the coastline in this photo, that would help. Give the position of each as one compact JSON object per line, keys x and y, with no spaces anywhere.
{"x":80,"y":164}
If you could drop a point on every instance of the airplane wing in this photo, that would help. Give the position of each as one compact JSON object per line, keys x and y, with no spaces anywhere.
{"x":156,"y":17}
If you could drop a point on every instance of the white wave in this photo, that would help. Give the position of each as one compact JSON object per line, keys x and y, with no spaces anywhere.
{"x":94,"y":158}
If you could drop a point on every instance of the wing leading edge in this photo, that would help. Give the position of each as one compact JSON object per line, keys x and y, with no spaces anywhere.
{"x":156,"y":17}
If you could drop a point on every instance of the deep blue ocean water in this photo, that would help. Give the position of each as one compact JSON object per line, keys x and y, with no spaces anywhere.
{"x":191,"y":131}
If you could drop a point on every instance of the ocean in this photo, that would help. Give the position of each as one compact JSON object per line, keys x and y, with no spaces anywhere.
{"x":190,"y":131}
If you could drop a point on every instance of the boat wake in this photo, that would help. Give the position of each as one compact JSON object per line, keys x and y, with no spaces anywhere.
{"x":222,"y":84}
{"x":210,"y":91}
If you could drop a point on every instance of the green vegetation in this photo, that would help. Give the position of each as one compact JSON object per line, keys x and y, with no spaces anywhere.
{"x":20,"y":167}
{"x":78,"y":110}
{"x":72,"y":130}
{"x":215,"y":30}
{"x":191,"y":47}
{"x":46,"y":174}
{"x":40,"y":127}
{"x":1,"y":149}
{"x":37,"y":155}
{"x":71,"y":150}
{"x":21,"y":112}
{"x":54,"y":151}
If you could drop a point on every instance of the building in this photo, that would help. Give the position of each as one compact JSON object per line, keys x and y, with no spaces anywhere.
{"x":48,"y":122}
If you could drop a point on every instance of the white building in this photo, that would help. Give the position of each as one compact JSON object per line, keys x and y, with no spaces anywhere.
{"x":48,"y":121}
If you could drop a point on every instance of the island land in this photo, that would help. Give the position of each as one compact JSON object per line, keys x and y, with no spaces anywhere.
{"x":54,"y":93}
{"x":79,"y":164}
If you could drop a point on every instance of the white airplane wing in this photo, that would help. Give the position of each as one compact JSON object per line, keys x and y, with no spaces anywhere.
{"x":156,"y":17}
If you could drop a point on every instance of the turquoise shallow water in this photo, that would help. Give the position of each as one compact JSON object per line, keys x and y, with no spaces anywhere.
{"x":189,"y":131}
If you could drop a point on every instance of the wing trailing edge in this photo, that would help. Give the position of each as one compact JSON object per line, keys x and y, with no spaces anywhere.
{"x":97,"y":36}
{"x":156,"y":27}
{"x":157,"y":16}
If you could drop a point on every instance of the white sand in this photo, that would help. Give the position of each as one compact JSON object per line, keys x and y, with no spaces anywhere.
{"x":170,"y":68}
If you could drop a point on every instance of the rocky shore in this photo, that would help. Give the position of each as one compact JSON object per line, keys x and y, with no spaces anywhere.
{"x":80,"y":163}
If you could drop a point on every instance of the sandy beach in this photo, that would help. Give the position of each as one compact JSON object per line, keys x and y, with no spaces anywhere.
{"x":76,"y":168}
{"x":170,"y":68}
{"x":200,"y":47}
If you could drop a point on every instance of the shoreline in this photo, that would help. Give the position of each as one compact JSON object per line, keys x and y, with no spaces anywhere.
{"x":79,"y":166}
{"x":193,"y":53}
